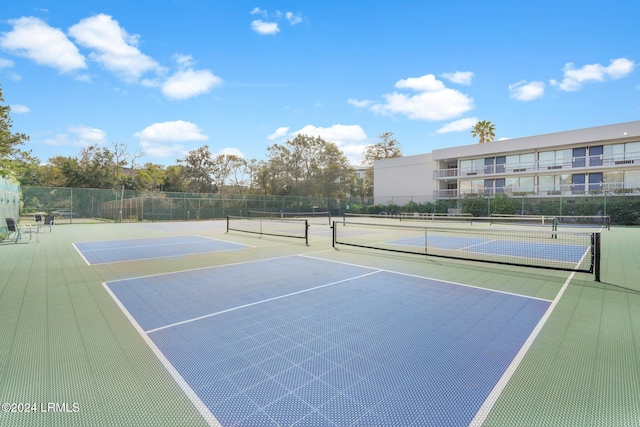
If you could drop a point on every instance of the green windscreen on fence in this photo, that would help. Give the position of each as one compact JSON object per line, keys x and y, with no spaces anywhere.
{"x":9,"y":201}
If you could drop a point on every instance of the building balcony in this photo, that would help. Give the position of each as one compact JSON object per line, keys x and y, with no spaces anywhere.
{"x":564,"y":190}
{"x":599,"y":161}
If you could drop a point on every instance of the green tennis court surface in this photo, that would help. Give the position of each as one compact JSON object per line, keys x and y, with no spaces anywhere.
{"x":66,"y":344}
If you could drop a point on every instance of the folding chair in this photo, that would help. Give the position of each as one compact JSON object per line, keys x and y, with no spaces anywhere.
{"x":49,"y":220}
{"x":12,"y":228}
{"x":39,"y":221}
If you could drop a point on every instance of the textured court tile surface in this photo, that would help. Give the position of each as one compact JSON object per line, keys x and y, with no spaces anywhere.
{"x":63,"y":338}
{"x":370,"y":348}
{"x":102,"y":252}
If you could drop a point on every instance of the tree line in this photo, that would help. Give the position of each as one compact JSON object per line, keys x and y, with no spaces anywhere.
{"x":302,"y":166}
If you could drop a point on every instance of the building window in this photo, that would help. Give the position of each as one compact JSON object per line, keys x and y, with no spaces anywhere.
{"x":520,"y":162}
{"x":556,"y":159}
{"x":554,"y":184}
{"x":524,"y":184}
{"x":621,"y":154}
{"x":471,"y":167}
{"x":472,"y":186}
{"x":632,"y":179}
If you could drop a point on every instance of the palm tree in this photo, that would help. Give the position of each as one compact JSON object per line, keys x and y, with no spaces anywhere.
{"x":485,"y":130}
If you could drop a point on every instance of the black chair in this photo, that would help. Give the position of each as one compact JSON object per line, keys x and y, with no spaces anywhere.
{"x":12,"y":228}
{"x":39,"y":221}
{"x":49,"y":220}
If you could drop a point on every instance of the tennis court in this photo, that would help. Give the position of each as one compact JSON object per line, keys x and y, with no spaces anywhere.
{"x":266,"y":331}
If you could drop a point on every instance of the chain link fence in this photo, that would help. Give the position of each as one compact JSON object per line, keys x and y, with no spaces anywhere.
{"x":81,"y":204}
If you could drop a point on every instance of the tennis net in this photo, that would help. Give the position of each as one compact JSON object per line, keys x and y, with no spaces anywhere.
{"x":293,"y":228}
{"x":317,"y":217}
{"x":594,"y":221}
{"x":550,"y":249}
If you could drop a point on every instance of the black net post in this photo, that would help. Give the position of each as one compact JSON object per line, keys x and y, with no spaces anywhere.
{"x":596,"y":255}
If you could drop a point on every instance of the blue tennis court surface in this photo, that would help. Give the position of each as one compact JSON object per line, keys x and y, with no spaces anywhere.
{"x":303,"y":341}
{"x":102,"y":252}
{"x":543,"y":251}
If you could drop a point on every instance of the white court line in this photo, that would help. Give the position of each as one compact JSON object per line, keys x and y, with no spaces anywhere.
{"x":486,"y":407}
{"x":473,"y":246}
{"x":195,"y":319}
{"x":199,"y":268}
{"x":193,"y":397}
{"x":430,"y":278}
{"x":81,"y":254}
{"x":147,"y":246}
{"x":177,"y":255}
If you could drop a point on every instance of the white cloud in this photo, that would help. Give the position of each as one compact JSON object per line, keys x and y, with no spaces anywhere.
{"x":113,"y":48}
{"x":189,"y":83}
{"x":458,"y":125}
{"x":34,"y":39}
{"x":279,"y":133}
{"x":162,"y":139}
{"x":178,"y":130}
{"x":79,"y":136}
{"x":360,"y":104}
{"x":184,"y":61}
{"x":269,"y":25}
{"x":338,"y":134}
{"x":433,"y":102}
{"x":426,"y":83}
{"x":264,"y":28}
{"x":574,"y":78}
{"x":20,"y":109}
{"x":459,"y":77}
{"x":293,"y":18}
{"x":526,"y":91}
{"x":6,"y":63}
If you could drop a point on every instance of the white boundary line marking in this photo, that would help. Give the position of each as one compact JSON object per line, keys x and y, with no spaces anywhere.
{"x":199,"y":268}
{"x":81,"y":254}
{"x":430,"y":278}
{"x":161,"y":245}
{"x":115,"y":248}
{"x":199,"y":405}
{"x":195,"y":319}
{"x":486,"y":407}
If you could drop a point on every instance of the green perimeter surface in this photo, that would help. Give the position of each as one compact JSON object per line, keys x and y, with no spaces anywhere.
{"x":64,"y":341}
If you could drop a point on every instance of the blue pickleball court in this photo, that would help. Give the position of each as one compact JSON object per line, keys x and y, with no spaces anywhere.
{"x":303,"y":341}
{"x":107,"y":251}
{"x":551,"y":251}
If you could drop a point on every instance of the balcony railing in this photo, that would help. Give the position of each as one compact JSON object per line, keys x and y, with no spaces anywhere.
{"x":609,"y":188}
{"x":613,"y":160}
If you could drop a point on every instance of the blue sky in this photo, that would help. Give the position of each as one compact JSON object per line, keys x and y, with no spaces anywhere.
{"x":167,"y":76}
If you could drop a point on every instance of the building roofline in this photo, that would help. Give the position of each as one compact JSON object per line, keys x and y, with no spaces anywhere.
{"x":599,"y":134}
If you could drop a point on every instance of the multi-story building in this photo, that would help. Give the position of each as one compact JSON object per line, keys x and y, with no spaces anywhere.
{"x":604,"y":159}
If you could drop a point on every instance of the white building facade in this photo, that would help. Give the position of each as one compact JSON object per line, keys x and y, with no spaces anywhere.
{"x":604,"y":159}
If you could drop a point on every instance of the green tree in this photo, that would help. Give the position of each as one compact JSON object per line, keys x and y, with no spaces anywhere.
{"x":13,"y":160}
{"x":198,"y":169}
{"x":228,"y":169}
{"x":387,"y":147}
{"x":175,"y":179}
{"x":98,"y":169}
{"x":485,"y":130}
{"x":306,"y":166}
{"x":150,"y":177}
